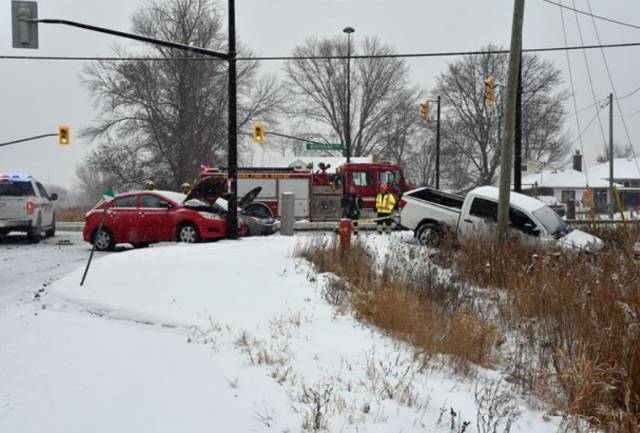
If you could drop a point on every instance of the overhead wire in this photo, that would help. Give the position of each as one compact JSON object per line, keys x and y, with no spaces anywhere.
{"x":613,"y":90}
{"x":593,"y":16}
{"x":337,"y":57}
{"x":573,"y":95}
{"x":586,"y":62}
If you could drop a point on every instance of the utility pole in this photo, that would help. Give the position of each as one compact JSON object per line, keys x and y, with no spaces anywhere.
{"x":517,"y":148}
{"x":611,"y":206}
{"x":438,"y":148}
{"x":232,"y":211}
{"x":509,"y":118}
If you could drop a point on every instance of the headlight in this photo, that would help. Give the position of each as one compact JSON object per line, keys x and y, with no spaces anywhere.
{"x":209,"y":216}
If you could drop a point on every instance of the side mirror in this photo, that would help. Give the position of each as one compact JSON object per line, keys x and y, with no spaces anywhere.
{"x":165,"y":205}
{"x":53,"y":197}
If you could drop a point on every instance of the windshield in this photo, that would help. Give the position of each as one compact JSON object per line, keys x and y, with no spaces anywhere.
{"x":551,"y":220}
{"x":16,"y":189}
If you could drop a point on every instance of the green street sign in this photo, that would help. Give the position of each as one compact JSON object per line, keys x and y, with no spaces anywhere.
{"x":325,"y":146}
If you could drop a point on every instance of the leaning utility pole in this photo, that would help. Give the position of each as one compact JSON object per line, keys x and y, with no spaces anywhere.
{"x":509,"y":118}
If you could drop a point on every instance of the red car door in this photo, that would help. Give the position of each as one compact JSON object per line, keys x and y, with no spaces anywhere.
{"x":121,"y":218}
{"x":155,"y":218}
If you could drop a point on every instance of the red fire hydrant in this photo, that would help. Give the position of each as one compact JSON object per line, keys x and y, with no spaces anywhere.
{"x":344,"y":232}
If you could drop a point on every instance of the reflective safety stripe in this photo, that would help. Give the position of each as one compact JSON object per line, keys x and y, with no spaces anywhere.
{"x":385,"y":203}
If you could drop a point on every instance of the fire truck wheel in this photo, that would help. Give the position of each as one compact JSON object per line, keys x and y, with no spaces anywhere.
{"x":188,"y":233}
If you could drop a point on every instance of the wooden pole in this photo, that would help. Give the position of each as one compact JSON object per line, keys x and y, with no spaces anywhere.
{"x":506,"y":155}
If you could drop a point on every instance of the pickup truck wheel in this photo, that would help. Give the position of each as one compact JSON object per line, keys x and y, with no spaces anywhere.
{"x":188,"y":233}
{"x":428,"y":235}
{"x":103,"y":240}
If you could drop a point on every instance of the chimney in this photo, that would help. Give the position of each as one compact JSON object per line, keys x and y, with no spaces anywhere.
{"x":577,"y":161}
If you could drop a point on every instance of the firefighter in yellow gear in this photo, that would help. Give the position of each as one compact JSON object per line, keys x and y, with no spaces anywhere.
{"x":385,"y":203}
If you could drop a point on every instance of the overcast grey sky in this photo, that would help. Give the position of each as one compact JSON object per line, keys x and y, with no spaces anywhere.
{"x":39,"y":95}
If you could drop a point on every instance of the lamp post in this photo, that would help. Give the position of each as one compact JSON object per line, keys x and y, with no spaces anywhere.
{"x":347,"y":119}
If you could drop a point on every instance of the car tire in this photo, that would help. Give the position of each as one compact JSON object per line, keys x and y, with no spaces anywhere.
{"x":188,"y":233}
{"x":51,"y":232}
{"x":35,"y":234}
{"x":258,"y":210}
{"x":103,"y":240}
{"x":429,"y":234}
{"x":140,"y":244}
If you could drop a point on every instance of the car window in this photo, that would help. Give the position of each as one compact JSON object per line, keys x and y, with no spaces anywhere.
{"x":153,"y":201}
{"x":361,"y":178}
{"x":484,"y":208}
{"x":521,"y":221}
{"x":16,"y":188}
{"x":128,"y":201}
{"x":41,"y":190}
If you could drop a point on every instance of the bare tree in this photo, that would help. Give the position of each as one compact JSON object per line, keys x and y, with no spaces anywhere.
{"x":379,"y":93}
{"x":619,"y":151}
{"x":164,"y":118}
{"x":473,"y":133}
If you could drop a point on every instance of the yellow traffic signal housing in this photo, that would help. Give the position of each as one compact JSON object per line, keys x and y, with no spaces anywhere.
{"x":64,"y":135}
{"x":258,"y":133}
{"x":490,"y":96}
{"x":425,"y":114}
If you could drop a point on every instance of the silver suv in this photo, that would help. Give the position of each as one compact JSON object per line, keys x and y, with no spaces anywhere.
{"x":26,"y":206}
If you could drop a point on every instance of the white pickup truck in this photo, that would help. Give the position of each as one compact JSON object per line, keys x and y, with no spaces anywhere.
{"x":26,"y":206}
{"x":430,"y":212}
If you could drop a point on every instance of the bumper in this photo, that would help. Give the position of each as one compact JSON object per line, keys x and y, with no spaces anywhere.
{"x":212,"y":229}
{"x":15,"y":224}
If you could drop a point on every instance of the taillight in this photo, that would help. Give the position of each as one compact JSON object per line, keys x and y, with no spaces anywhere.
{"x":30,"y":206}
{"x":402,"y":203}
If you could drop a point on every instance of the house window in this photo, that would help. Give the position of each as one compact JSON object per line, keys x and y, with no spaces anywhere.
{"x":568,"y":195}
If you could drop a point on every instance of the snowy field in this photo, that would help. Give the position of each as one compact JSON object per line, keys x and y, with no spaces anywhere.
{"x":230,"y":336}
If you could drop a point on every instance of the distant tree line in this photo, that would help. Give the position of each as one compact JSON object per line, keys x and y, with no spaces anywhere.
{"x":162,"y":119}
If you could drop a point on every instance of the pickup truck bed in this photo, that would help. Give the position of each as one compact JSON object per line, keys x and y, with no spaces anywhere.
{"x":443,"y":207}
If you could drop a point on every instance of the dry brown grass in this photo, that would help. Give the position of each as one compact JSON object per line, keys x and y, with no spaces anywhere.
{"x":571,"y":321}
{"x":413,"y":305}
{"x":71,"y":214}
{"x":582,"y":314}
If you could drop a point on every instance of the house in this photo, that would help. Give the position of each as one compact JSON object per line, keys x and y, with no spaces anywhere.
{"x":570,"y":184}
{"x":626,"y":175}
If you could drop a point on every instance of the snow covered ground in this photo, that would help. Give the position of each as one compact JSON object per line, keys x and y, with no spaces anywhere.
{"x":230,"y":336}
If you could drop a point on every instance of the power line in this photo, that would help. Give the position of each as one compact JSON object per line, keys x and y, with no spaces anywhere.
{"x":573,"y":95}
{"x":592,"y":15}
{"x":629,"y":94}
{"x":337,"y":57}
{"x":613,"y":89}
{"x":586,"y":62}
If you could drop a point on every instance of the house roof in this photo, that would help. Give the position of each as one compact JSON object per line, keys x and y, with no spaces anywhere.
{"x":623,"y":168}
{"x":567,"y":178}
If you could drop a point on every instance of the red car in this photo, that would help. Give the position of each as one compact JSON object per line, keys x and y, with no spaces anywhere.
{"x":144,"y":217}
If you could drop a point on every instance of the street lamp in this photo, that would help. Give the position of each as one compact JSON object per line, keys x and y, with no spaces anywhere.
{"x":347,"y":128}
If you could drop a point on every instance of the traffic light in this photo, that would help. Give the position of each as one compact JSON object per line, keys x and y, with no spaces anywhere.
{"x":64,"y":135}
{"x":490,"y":96}
{"x":425,"y":115}
{"x":258,"y":133}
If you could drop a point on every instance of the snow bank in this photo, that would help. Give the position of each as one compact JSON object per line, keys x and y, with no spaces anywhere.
{"x":230,"y":336}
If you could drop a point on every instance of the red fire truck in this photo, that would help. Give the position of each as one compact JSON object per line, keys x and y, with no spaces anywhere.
{"x":318,"y":194}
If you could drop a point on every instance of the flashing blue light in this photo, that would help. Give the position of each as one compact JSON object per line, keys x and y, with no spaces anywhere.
{"x":16,"y":176}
